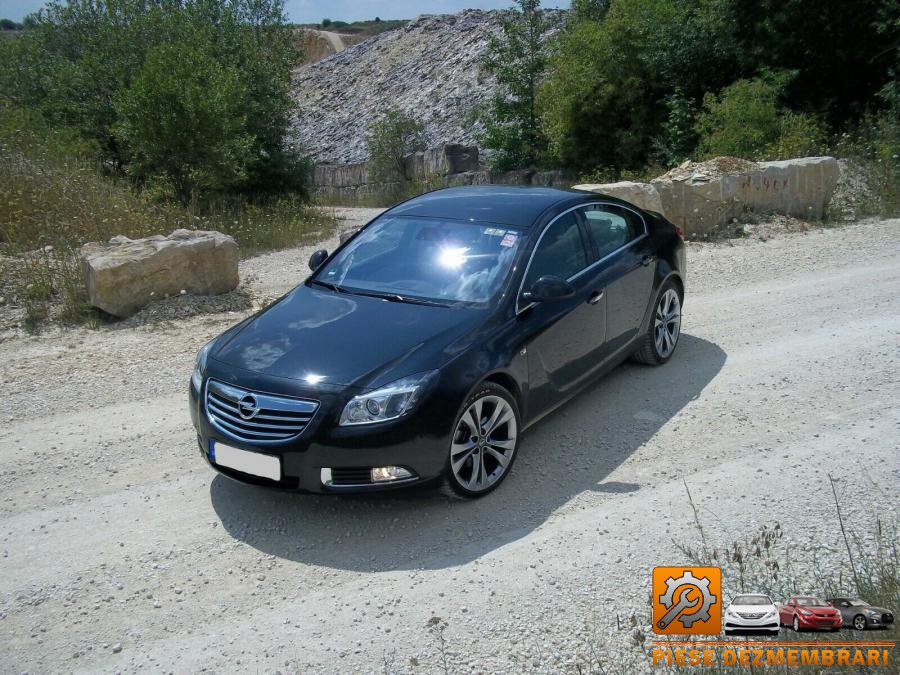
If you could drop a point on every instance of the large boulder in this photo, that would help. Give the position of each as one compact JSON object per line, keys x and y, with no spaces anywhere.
{"x":642,"y":195}
{"x":123,"y":275}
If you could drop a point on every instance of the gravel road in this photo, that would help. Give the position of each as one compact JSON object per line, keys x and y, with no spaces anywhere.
{"x":121,"y":551}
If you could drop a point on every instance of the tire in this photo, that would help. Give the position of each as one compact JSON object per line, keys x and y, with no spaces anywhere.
{"x":478,"y":460}
{"x":796,"y":624}
{"x":658,"y":344}
{"x":860,"y":622}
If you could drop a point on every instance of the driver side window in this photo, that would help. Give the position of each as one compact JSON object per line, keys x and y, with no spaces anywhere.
{"x":560,"y":252}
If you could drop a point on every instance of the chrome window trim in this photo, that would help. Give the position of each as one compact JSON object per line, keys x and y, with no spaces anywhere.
{"x":589,"y":267}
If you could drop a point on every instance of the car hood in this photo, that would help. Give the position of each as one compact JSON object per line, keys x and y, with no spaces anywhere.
{"x":321,"y":336}
{"x":752,"y":609}
{"x":819,"y":611}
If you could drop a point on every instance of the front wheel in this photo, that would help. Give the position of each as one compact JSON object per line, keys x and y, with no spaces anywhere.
{"x":796,"y":624}
{"x":859,"y":622}
{"x":659,"y":342}
{"x":484,"y":442}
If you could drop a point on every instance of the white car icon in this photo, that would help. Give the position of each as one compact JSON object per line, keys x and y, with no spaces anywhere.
{"x":752,"y":613}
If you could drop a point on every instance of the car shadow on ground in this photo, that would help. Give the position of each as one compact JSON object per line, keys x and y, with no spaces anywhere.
{"x":573,"y":450}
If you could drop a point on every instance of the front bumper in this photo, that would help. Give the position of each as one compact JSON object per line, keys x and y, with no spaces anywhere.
{"x":739,"y":624}
{"x":820,"y":622}
{"x":418,"y":442}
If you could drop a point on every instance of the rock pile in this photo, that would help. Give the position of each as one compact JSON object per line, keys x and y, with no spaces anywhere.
{"x":430,"y":68}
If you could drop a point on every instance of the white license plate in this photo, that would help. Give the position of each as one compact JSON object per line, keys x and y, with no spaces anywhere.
{"x":253,"y":463}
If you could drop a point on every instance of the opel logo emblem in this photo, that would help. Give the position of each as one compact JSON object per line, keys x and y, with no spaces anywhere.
{"x":248,"y":408}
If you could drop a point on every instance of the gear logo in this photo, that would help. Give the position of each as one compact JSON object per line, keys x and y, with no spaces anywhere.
{"x":687,"y":600}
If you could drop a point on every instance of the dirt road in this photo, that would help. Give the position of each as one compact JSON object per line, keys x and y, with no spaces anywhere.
{"x":120,"y":550}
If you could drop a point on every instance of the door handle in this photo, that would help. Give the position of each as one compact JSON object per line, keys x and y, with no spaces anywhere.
{"x":647,"y":259}
{"x":596,"y":297}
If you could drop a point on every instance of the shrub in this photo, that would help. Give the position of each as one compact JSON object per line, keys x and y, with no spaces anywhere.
{"x":389,"y":141}
{"x":745,"y":120}
{"x":196,"y":93}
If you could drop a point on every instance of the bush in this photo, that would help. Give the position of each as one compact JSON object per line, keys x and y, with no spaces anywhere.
{"x":745,"y":120}
{"x":611,"y":69}
{"x":54,"y":198}
{"x":389,"y":141}
{"x":193,"y":93}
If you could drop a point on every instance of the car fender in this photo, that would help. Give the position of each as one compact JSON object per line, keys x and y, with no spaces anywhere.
{"x":664,"y":273}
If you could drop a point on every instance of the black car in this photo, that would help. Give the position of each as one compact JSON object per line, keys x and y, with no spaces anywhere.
{"x":429,"y":341}
{"x":861,"y":615}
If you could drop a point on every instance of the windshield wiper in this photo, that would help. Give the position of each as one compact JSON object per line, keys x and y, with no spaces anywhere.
{"x":329,"y":285}
{"x":396,"y":297}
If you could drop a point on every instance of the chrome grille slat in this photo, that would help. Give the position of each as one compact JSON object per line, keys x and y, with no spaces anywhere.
{"x":235,"y":417}
{"x":279,"y":418}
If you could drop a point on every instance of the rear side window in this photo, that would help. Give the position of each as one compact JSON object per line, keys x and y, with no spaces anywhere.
{"x":560,"y":252}
{"x":612,"y":227}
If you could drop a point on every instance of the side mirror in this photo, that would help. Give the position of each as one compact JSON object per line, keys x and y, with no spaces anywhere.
{"x":548,"y":288}
{"x":317,"y":258}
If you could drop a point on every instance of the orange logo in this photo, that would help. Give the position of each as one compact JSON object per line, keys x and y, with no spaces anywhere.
{"x":687,"y":600}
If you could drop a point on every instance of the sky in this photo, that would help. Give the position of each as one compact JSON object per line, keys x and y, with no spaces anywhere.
{"x":313,"y":11}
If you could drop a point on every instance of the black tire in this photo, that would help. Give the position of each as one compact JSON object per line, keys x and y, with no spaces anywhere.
{"x":647,"y":351}
{"x":484,"y":391}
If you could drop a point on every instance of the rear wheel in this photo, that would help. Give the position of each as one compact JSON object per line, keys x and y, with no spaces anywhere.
{"x":661,"y":338}
{"x":484,"y":442}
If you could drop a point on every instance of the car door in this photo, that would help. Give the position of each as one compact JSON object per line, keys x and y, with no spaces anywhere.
{"x":563,"y":336}
{"x":786,"y":614}
{"x":625,"y":266}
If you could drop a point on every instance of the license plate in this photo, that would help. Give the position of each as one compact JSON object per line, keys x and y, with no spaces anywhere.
{"x":253,"y":463}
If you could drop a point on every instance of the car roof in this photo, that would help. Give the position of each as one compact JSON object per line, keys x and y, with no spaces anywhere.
{"x":519,"y":206}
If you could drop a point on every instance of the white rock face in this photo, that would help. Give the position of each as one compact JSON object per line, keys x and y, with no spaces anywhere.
{"x":430,"y":68}
{"x":123,"y":275}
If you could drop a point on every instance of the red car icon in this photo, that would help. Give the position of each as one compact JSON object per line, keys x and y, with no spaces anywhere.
{"x":809,"y":613}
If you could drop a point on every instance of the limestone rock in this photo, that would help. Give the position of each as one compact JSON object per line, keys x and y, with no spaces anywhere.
{"x":642,"y":195}
{"x":123,"y":275}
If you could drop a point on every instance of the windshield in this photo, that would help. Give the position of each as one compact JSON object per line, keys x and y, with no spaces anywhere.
{"x":858,"y":603}
{"x":752,"y":600}
{"x":811,"y":602}
{"x":433,"y":259}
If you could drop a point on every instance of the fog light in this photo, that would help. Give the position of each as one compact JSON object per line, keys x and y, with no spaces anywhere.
{"x":381,"y":474}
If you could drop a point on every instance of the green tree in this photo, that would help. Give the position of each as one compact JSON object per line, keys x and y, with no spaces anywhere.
{"x":746,"y":120}
{"x":517,"y":59}
{"x":389,"y":141}
{"x":603,"y":102}
{"x":84,"y":64}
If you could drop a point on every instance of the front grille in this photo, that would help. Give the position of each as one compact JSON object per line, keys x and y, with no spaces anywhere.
{"x":266,"y":418}
{"x":887,"y":617}
{"x":826,"y":622}
{"x":746,"y":615}
{"x":357,"y":475}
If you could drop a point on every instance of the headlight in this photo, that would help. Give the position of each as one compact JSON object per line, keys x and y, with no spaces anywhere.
{"x":872,"y":612}
{"x":805,"y":612}
{"x":388,"y":402}
{"x":771,"y":614}
{"x":200,"y":365}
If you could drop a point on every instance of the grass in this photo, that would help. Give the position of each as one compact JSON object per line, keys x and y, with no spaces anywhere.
{"x":54,"y":197}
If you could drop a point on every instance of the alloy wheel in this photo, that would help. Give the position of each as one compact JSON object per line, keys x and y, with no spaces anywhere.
{"x":796,"y":624}
{"x":483,"y":443}
{"x":667,"y":325}
{"x":859,"y":622}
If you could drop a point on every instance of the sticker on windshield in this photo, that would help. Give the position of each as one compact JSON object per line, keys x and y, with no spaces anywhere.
{"x":494,"y":232}
{"x":508,"y":240}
